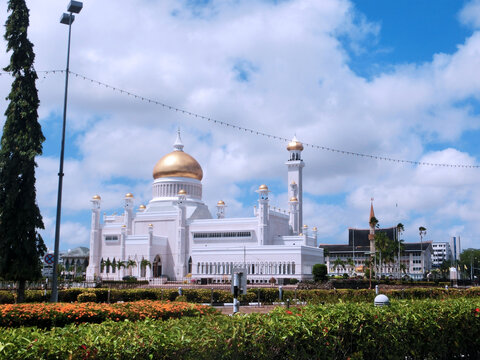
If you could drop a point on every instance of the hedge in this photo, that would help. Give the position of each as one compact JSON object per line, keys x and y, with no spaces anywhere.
{"x":267,"y":295}
{"x":432,"y":329}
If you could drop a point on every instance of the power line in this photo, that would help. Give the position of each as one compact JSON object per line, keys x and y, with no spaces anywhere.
{"x":253,"y":131}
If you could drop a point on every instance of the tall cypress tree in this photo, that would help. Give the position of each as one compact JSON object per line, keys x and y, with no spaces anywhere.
{"x":21,"y":246}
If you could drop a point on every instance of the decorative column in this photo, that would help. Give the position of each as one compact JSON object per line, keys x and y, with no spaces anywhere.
{"x":221,"y":209}
{"x":263,"y":215}
{"x":295,"y":165}
{"x":93,"y":269}
{"x":123,"y":237}
{"x":148,"y":270}
{"x":128,"y":212}
{"x":314,"y":234}
{"x":181,"y":241}
{"x":294,"y":215}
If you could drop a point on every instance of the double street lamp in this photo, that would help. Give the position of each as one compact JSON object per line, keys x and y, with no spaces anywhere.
{"x":67,"y":19}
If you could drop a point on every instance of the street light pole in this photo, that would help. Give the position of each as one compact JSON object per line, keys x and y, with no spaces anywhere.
{"x":67,"y":19}
{"x":422,"y":231}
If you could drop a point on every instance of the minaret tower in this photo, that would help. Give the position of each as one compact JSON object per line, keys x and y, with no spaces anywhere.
{"x":263,"y":214}
{"x":295,"y":165}
{"x":95,"y":242}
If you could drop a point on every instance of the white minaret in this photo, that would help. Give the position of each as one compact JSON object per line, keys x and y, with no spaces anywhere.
{"x":128,"y":212}
{"x":95,"y":240}
{"x":295,"y":165}
{"x":263,"y":214}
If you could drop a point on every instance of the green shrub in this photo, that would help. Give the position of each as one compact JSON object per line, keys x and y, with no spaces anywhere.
{"x":6,"y":297}
{"x":427,"y":329}
{"x":87,"y":297}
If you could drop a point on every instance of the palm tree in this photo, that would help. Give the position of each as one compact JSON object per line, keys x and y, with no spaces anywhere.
{"x":351,"y":264}
{"x":382,"y":244}
{"x":120,"y":264}
{"x":338,"y":263}
{"x":108,"y":264}
{"x":143,"y":265}
{"x":131,"y":263}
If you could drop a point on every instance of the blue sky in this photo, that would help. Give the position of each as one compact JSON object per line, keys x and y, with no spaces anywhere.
{"x":389,"y":78}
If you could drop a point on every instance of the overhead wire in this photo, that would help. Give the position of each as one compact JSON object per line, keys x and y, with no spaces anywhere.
{"x":254,"y":131}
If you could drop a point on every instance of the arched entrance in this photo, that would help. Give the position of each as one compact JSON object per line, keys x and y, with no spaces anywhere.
{"x":157,"y":266}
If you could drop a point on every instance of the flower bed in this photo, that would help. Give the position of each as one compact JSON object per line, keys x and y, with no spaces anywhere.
{"x":427,"y":329}
{"x":46,"y":315}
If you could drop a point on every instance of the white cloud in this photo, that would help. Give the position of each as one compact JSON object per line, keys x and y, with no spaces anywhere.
{"x":470,"y":14}
{"x":301,"y":84}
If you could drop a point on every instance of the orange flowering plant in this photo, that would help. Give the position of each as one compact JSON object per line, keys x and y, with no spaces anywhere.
{"x":46,"y":315}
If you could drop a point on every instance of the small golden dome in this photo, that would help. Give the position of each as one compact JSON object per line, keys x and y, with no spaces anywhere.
{"x":124,"y":226}
{"x":295,"y":144}
{"x":315,"y":228}
{"x":96,"y":197}
{"x":305,"y":226}
{"x":293,"y":183}
{"x":129,"y":195}
{"x":142,"y":207}
{"x":301,"y":234}
{"x":178,"y":164}
{"x":182,"y":192}
{"x":220,"y":203}
{"x":293,"y":198}
{"x":150,"y":225}
{"x":263,"y":187}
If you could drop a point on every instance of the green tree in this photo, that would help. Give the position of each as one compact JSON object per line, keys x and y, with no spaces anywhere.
{"x":21,"y":246}
{"x":319,"y":272}
{"x":445,"y":268}
{"x":469,"y":261}
{"x":382,"y":244}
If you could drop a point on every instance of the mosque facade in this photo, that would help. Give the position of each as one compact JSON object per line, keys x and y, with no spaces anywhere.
{"x":175,"y":236}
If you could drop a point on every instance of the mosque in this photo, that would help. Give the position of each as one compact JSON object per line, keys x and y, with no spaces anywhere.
{"x":175,"y":237}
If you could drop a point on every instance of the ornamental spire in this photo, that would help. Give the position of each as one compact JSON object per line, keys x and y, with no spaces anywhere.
{"x":178,"y":145}
{"x":372,"y":213}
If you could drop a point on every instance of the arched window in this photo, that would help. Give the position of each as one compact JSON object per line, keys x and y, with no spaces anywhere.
{"x":157,"y":266}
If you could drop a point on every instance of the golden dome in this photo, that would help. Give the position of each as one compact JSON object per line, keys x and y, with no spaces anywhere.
{"x":220,"y":203}
{"x":178,"y":164}
{"x":315,"y":228}
{"x":263,"y":187}
{"x":295,"y":144}
{"x":182,"y":192}
{"x":305,"y":226}
{"x":293,"y":198}
{"x":129,"y":195}
{"x":96,"y":197}
{"x":142,"y":207}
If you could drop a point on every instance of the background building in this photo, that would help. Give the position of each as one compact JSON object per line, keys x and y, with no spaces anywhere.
{"x":456,"y":248}
{"x":415,"y":260}
{"x":441,"y":253}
